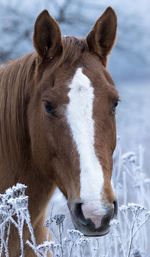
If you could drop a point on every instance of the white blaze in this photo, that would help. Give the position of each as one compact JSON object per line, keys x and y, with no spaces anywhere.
{"x":80,"y":119}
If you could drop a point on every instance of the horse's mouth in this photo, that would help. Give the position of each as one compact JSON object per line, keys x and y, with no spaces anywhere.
{"x":87,"y":227}
{"x":90,"y":230}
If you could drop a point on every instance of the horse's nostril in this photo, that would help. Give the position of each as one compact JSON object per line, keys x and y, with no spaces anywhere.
{"x":78,"y":213}
{"x":107,"y":218}
{"x":115,"y":208}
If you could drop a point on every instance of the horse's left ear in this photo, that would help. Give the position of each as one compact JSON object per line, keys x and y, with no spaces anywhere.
{"x":101,"y":39}
{"x":47,"y":36}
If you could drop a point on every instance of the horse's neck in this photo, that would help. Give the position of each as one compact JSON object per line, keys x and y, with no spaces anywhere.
{"x":39,"y":191}
{"x":39,"y":186}
{"x":15,"y":163}
{"x":17,"y":167}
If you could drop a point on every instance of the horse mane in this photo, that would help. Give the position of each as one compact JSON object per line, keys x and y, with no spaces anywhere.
{"x":16,"y":78}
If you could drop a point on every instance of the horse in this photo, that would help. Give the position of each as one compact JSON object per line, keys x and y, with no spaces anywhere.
{"x":57,"y":125}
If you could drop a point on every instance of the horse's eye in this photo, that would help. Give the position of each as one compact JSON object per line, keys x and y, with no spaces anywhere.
{"x":114,"y":106}
{"x":49,"y":108}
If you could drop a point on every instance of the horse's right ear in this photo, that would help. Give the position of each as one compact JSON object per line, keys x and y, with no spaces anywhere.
{"x":47,"y":36}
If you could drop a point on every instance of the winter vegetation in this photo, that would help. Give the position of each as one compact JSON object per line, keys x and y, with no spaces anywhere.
{"x":129,"y":65}
{"x":129,"y":231}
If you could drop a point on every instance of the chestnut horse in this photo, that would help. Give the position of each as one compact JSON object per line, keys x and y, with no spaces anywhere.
{"x":57,"y":125}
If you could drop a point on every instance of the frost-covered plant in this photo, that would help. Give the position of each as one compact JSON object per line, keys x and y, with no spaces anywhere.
{"x":126,"y":230}
{"x":128,"y":235}
{"x":70,"y":245}
{"x":123,"y":240}
{"x":14,"y":211}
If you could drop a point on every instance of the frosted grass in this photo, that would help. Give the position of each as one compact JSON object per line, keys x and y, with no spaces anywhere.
{"x":128,"y":235}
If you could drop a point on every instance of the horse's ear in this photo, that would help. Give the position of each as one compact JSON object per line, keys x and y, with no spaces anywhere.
{"x":101,"y":39}
{"x":47,"y":36}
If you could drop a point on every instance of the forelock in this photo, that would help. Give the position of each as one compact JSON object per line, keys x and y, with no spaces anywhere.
{"x":73,"y":49}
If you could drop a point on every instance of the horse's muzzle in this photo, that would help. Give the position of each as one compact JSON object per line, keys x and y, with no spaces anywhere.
{"x":86,"y":225}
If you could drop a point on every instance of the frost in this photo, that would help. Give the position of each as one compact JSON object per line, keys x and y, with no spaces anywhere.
{"x":14,"y":211}
{"x":74,"y":235}
{"x":128,"y":233}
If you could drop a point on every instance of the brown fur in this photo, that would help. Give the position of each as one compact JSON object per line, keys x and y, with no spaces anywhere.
{"x":36,"y":149}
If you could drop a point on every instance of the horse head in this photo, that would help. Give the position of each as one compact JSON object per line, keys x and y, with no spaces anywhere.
{"x":71,"y":118}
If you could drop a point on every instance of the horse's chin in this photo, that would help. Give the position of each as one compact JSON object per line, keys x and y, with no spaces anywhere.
{"x":93,"y":233}
{"x":90,"y":231}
